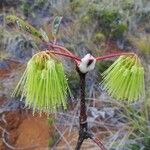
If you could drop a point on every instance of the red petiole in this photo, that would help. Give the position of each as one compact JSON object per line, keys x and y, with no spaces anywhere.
{"x":55,"y":46}
{"x":112,"y":55}
{"x":65,"y":54}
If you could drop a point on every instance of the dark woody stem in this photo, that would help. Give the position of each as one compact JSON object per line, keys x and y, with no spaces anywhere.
{"x":83,"y":116}
{"x":83,"y":131}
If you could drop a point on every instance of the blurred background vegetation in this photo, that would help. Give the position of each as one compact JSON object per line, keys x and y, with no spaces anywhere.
{"x":88,"y":26}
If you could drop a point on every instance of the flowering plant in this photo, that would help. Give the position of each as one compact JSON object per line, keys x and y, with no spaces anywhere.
{"x":44,"y":84}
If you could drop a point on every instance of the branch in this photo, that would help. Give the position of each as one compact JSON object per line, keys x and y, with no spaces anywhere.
{"x":56,"y":46}
{"x":98,"y":142}
{"x":66,"y":55}
{"x":112,"y":55}
{"x":65,"y":140}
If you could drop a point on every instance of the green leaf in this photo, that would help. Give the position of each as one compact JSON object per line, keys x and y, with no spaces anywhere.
{"x":55,"y":25}
{"x":44,"y":35}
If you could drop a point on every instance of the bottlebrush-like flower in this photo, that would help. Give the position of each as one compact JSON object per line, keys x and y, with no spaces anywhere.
{"x":124,"y":79}
{"x":43,"y":83}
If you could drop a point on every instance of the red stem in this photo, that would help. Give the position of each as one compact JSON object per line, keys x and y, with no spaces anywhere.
{"x":52,"y":45}
{"x":98,"y":142}
{"x":65,"y":54}
{"x":112,"y":55}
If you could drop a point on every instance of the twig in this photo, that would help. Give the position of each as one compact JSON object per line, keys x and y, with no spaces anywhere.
{"x":3,"y":118}
{"x":56,"y":46}
{"x":98,"y":142}
{"x":60,"y":138}
{"x":70,"y":148}
{"x":65,"y":54}
{"x":74,"y":116}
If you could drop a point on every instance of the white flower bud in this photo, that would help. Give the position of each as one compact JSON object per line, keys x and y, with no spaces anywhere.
{"x":87,"y":63}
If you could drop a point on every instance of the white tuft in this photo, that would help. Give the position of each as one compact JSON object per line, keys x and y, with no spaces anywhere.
{"x":83,"y":65}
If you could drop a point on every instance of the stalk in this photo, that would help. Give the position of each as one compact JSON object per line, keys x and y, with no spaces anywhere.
{"x":112,"y":55}
{"x":84,"y":132}
{"x":66,"y":55}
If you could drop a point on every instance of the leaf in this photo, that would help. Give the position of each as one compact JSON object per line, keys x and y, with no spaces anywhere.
{"x":44,"y":35}
{"x":55,"y":25}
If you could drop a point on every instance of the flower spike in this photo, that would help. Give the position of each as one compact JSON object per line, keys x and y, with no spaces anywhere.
{"x":124,"y":79}
{"x":44,"y":84}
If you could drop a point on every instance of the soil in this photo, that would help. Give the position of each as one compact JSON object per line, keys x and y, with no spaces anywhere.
{"x":26,"y":131}
{"x":31,"y":131}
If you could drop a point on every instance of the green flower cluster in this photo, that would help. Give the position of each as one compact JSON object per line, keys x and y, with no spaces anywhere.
{"x":43,"y":83}
{"x":124,"y":79}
